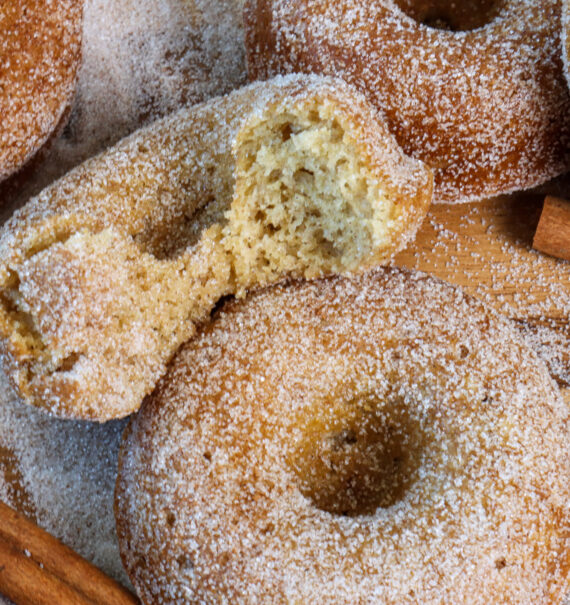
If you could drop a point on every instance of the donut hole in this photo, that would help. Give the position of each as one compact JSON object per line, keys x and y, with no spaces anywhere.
{"x":366,"y":456}
{"x":306,"y":202}
{"x":177,"y":231}
{"x":452,"y":15}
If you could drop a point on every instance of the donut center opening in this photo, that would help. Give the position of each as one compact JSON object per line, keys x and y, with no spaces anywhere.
{"x":360,"y":458}
{"x":305,"y":202}
{"x":452,"y":15}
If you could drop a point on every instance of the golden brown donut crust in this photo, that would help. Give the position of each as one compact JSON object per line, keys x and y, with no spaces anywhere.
{"x":105,"y":273}
{"x":40,"y":53}
{"x":376,"y":439}
{"x":486,"y":108}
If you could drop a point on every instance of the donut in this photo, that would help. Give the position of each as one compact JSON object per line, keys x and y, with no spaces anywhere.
{"x":106,"y":273}
{"x":40,"y":52}
{"x":474,"y":89}
{"x":381,"y":438}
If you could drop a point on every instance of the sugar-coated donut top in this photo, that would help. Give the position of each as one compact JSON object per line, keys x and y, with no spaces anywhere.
{"x":40,"y":49}
{"x":214,"y":500}
{"x":488,"y":109}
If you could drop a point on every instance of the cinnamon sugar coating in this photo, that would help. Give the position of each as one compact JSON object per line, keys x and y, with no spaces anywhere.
{"x":375,"y":439}
{"x":40,"y":53}
{"x":485,"y":105}
{"x":105,"y":273}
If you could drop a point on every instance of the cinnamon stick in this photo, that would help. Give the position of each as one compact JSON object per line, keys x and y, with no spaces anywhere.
{"x":553,"y":233}
{"x":37,"y":569}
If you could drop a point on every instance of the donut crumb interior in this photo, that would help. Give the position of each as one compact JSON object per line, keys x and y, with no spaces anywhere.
{"x":306,"y":201}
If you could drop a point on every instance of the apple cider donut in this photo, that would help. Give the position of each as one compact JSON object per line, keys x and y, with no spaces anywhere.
{"x":105,"y":273}
{"x":40,"y":53}
{"x":484,"y":104}
{"x":376,"y":439}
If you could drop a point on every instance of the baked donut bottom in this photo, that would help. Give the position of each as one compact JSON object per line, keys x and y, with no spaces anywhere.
{"x":106,"y":272}
{"x":382,"y":438}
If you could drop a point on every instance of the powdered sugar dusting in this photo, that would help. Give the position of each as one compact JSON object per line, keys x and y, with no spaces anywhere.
{"x":5,"y":491}
{"x":62,"y":475}
{"x":566,"y":38}
{"x":144,"y":60}
{"x":304,"y":384}
{"x":488,"y":109}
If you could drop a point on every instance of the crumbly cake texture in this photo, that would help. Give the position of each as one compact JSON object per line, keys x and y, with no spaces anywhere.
{"x":485,"y":105}
{"x":61,"y":474}
{"x":40,"y":53}
{"x":105,"y":273}
{"x":378,"y":439}
{"x":141,"y":60}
